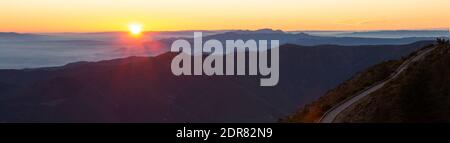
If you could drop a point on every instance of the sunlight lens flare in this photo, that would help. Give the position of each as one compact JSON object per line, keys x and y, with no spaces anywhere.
{"x":135,"y":29}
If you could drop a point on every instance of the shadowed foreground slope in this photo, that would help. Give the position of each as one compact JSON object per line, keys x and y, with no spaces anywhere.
{"x":141,"y":89}
{"x":419,"y":94}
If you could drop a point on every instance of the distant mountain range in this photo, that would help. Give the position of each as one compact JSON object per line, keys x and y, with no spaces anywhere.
{"x":309,"y":40}
{"x":13,"y":37}
{"x":141,"y":89}
{"x":340,"y":38}
{"x":380,"y":34}
{"x":56,"y":49}
{"x":398,"y":34}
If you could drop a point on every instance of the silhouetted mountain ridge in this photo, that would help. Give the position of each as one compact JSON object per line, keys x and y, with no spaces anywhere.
{"x":419,"y":94}
{"x":143,"y":89}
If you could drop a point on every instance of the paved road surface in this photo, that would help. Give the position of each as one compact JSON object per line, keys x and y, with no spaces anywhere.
{"x":331,"y":114}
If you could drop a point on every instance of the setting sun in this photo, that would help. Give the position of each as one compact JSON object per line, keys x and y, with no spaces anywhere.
{"x":135,"y":29}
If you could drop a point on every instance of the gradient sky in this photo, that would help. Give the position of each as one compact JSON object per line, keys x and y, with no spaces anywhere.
{"x":160,"y":15}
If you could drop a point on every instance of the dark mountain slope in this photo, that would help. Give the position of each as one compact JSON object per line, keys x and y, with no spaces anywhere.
{"x":420,"y":94}
{"x":140,"y":89}
{"x":313,"y":111}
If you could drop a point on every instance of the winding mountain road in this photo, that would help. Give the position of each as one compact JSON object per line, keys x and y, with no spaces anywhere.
{"x":330,"y":115}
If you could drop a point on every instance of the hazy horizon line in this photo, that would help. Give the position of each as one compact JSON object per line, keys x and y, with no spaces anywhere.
{"x":218,"y":30}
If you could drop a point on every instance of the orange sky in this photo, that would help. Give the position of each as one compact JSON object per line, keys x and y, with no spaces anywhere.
{"x":160,"y":15}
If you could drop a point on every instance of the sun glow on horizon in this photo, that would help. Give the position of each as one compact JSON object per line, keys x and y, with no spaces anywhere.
{"x":135,"y":29}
